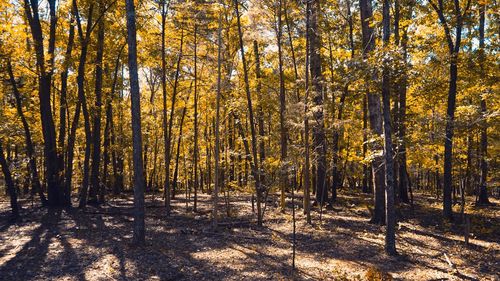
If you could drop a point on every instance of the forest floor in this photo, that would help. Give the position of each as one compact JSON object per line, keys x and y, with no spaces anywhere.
{"x":94,"y":244}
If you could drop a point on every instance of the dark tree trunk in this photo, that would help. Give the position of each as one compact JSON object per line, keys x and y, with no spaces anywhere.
{"x":260,"y":117}
{"x":63,"y":110}
{"x":166,"y":148}
{"x":170,"y":127}
{"x":195,"y":148}
{"x":390,"y":216}
{"x":375,"y":117}
{"x":84,"y":42}
{"x":283,"y":129}
{"x":30,"y":147}
{"x":178,"y":152}
{"x":483,"y":191}
{"x":256,"y":170}
{"x":319,"y":143}
{"x":44,"y":92}
{"x":307,"y":164}
{"x":135,"y":96}
{"x":96,"y":132}
{"x":215,"y":194}
{"x":453,"y":48}
{"x":401,"y":88}
{"x":11,"y":189}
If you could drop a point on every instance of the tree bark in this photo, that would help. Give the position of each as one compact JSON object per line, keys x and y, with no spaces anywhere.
{"x":374,"y":115}
{"x":30,"y":147}
{"x":483,"y":191}
{"x":84,"y":42}
{"x":96,"y":135}
{"x":135,"y":96}
{"x":256,"y":170}
{"x":44,"y":68}
{"x":319,"y":142}
{"x":390,"y":216}
{"x":11,"y":189}
{"x":283,"y":129}
{"x":453,"y":50}
{"x":215,"y":194}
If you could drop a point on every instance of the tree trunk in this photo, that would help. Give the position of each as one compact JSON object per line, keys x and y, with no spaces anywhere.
{"x":84,"y":41}
{"x":307,"y":168}
{"x":375,"y":117}
{"x":44,"y":69}
{"x":256,"y":170}
{"x":283,"y":129}
{"x":195,"y":148}
{"x":178,"y":152}
{"x":63,"y":103}
{"x":215,"y":194}
{"x":319,"y":142}
{"x":139,"y":227}
{"x":11,"y":189}
{"x":166,"y":187}
{"x":30,"y":147}
{"x":390,"y":216}
{"x":483,"y":191}
{"x":96,"y":135}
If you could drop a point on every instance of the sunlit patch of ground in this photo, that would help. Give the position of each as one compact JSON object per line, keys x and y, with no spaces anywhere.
{"x":94,"y":244}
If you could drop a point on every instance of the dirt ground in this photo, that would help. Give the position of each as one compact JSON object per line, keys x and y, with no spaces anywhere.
{"x":94,"y":244}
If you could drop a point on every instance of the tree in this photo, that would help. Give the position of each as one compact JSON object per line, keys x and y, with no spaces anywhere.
{"x":483,"y":191}
{"x":453,"y":51}
{"x":45,"y":64}
{"x":11,"y":189}
{"x":390,"y":219}
{"x":319,"y":142}
{"x":375,"y":115}
{"x":30,"y":147}
{"x":139,"y":184}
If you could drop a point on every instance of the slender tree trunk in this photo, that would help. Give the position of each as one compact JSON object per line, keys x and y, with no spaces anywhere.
{"x":390,"y":216}
{"x":11,"y":189}
{"x":96,"y":135}
{"x":30,"y":147}
{"x":374,"y":115}
{"x":195,"y":148}
{"x":292,"y":49}
{"x":453,"y":48}
{"x":215,"y":194}
{"x":166,"y":187}
{"x":171,"y":124}
{"x":84,"y":41}
{"x":260,"y":112}
{"x":63,"y":110}
{"x":283,"y":129}
{"x":179,"y":141}
{"x":307,"y":168}
{"x":256,"y":170}
{"x":319,"y":142}
{"x":139,"y":227}
{"x":45,"y":71}
{"x":483,"y":191}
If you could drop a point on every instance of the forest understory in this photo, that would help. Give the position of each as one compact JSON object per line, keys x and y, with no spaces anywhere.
{"x":95,"y":243}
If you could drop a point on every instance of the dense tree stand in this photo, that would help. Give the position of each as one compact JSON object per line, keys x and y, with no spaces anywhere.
{"x":247,"y":139}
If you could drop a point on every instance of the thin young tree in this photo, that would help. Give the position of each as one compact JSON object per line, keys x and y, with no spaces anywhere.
{"x":215,"y":194}
{"x":11,"y":189}
{"x":390,"y":219}
{"x":483,"y":191}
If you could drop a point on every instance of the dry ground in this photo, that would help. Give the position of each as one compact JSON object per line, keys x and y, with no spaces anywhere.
{"x":94,"y":244}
